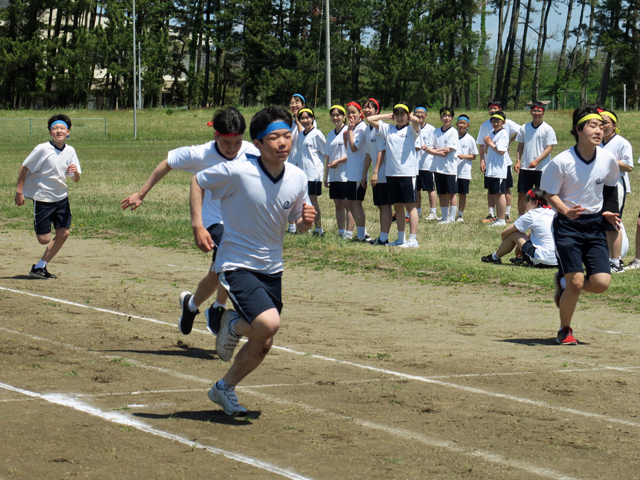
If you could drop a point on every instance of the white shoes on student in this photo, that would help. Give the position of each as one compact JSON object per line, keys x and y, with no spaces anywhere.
{"x":431,"y":217}
{"x":226,"y":342}
{"x":498,"y":223}
{"x":410,"y":244}
{"x":227,"y":399}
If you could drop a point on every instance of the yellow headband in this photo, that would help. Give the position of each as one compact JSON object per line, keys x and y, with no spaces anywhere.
{"x":591,"y":116}
{"x":339,"y":107}
{"x":308,"y":110}
{"x":495,"y":115}
{"x":402,"y":105}
{"x":610,"y":115}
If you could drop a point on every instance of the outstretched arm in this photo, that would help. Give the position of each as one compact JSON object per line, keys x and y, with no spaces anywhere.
{"x":374,"y":120}
{"x":200,"y":234}
{"x":22,"y":175}
{"x":135,"y":199}
{"x":306,"y":218}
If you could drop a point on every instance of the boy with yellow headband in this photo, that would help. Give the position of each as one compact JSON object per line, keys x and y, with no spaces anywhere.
{"x":42,"y":178}
{"x":581,"y":187}
{"x":446,"y":147}
{"x":496,"y":144}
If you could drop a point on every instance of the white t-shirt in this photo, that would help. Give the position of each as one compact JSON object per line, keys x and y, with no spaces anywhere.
{"x":355,"y":160}
{"x":293,"y":154}
{"x":401,"y":158}
{"x":256,"y":209}
{"x":46,"y":178}
{"x":196,"y":158}
{"x":578,"y":182}
{"x":425,"y":160}
{"x":467,"y":147}
{"x":447,"y":165}
{"x":335,"y":150}
{"x":312,"y":148}
{"x":497,"y":164}
{"x":535,"y":140}
{"x":376,"y":144}
{"x":623,"y":152}
{"x":539,"y":221}
{"x":510,"y":126}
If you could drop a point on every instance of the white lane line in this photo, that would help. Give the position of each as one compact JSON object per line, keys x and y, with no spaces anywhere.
{"x":407,"y":434}
{"x":477,"y":391}
{"x":123,"y":419}
{"x":604,"y":367}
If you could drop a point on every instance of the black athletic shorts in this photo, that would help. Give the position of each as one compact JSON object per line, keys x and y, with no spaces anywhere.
{"x":355,"y":191}
{"x":252,"y":292}
{"x":463,"y":186}
{"x":338,"y":190}
{"x":314,"y":188}
{"x":402,"y":189}
{"x":496,"y":185}
{"x":527,"y":179}
{"x":381,"y":195}
{"x":529,"y":255}
{"x":445,"y":183}
{"x":509,"y":177}
{"x":216,"y":230}
{"x":425,"y":181}
{"x":581,"y":241}
{"x":46,"y":213}
{"x":622,"y":197}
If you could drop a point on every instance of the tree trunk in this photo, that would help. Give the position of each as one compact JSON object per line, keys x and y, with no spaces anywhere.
{"x":587,"y":60}
{"x":523,"y":56}
{"x":561,"y":75}
{"x":511,"y":44}
{"x":542,"y":40}
{"x":481,"y":49}
{"x":574,"y":54}
{"x":497,"y":59}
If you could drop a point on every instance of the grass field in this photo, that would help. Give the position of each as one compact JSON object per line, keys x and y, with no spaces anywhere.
{"x":118,"y":166}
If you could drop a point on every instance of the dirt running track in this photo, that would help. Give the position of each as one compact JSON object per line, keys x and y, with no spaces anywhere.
{"x":370,"y":380}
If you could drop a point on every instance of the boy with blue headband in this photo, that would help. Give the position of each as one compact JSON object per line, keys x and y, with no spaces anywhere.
{"x":259,"y":195}
{"x":42,"y":178}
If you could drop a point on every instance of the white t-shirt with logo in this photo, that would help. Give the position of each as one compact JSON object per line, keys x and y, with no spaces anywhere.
{"x":496,"y":164}
{"x":447,"y":165}
{"x":535,"y":140}
{"x":256,"y":209}
{"x":623,"y":152}
{"x":467,"y":147}
{"x":401,"y":158}
{"x":335,"y":150}
{"x":376,"y":144}
{"x":511,"y":127}
{"x":539,"y":221}
{"x":355,"y":160}
{"x":425,"y":160}
{"x":312,"y":148}
{"x":46,"y":178}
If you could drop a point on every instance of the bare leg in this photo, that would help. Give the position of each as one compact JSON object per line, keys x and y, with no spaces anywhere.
{"x":462,"y":202}
{"x":318,"y":220}
{"x":433,"y":199}
{"x":576,"y":282}
{"x":400,"y":218}
{"x":614,"y":241}
{"x":53,"y":247}
{"x":521,"y":198}
{"x":386,"y":218}
{"x":513,"y":240}
{"x":413,"y":217}
{"x":340,"y":213}
{"x":491,"y":200}
{"x":207,"y":287}
{"x":501,"y":204}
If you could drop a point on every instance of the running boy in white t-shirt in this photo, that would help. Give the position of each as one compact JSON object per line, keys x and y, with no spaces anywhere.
{"x":535,"y":143}
{"x":42,"y":178}
{"x":259,"y":196}
{"x":581,"y":186}
{"x":466,"y":155}
{"x":229,"y":126}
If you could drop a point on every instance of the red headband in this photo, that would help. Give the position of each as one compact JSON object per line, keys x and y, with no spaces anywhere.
{"x":537,"y":107}
{"x":374,"y":101}
{"x":532,"y":196}
{"x":355,"y":104}
{"x":497,"y":106}
{"x":232,"y":134}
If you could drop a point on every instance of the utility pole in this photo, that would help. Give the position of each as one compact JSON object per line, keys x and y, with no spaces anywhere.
{"x":135,"y":99}
{"x":327,"y":34}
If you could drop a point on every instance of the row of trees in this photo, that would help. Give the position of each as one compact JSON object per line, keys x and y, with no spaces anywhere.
{"x":214,"y":52}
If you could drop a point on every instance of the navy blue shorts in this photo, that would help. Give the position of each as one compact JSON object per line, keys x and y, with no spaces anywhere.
{"x":355,"y":191}
{"x":216,"y":231}
{"x":581,"y":241}
{"x":509,"y":177}
{"x":381,"y":195}
{"x":402,"y":189}
{"x":527,"y":179}
{"x":445,"y":183}
{"x":314,"y":188}
{"x":338,"y":190}
{"x":252,"y":292}
{"x":425,"y":181}
{"x":46,"y":213}
{"x":495,"y":185}
{"x":463,"y":186}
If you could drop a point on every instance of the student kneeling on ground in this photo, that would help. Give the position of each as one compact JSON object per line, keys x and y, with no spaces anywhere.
{"x":538,"y":248}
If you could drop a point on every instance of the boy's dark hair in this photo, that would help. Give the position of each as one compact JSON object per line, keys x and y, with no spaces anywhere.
{"x":468,"y":119}
{"x":495,"y":102}
{"x":538,"y":105}
{"x":401,"y":110}
{"x":300,"y":112}
{"x":538,"y":196}
{"x":444,"y":110}
{"x":264,"y":117}
{"x":579,"y":113}
{"x":229,"y":120}
{"x":370,"y":103}
{"x":60,"y":116}
{"x":501,"y":113}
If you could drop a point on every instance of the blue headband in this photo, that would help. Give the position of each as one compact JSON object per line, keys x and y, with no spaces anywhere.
{"x":59,"y":122}
{"x":301,"y":97}
{"x":272,"y":127}
{"x":464,"y":117}
{"x":420,"y":108}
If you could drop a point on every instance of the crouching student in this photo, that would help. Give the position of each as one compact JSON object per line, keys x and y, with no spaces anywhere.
{"x":537,"y":248}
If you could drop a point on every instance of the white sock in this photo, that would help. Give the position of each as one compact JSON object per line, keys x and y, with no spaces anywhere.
{"x":508,"y":212}
{"x":341,"y":232}
{"x":401,"y":236}
{"x":384,"y":236}
{"x":494,"y":256}
{"x":348,"y":233}
{"x":454,"y":210}
{"x":615,"y":261}
{"x":492,"y":211}
{"x":433,"y":210}
{"x":232,"y":330}
{"x":413,"y":236}
{"x":563,"y":282}
{"x":460,"y":213}
{"x":361,"y":232}
{"x":419,"y":211}
{"x":192,"y":306}
{"x":216,"y":304}
{"x":41,"y":264}
{"x":221,"y":385}
{"x":445,"y":212}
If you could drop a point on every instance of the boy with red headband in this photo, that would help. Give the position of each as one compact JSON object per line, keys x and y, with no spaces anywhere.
{"x":42,"y":178}
{"x":229,"y":126}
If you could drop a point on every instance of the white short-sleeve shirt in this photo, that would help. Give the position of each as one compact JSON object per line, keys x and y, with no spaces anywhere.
{"x":535,"y":140}
{"x":447,"y":165}
{"x":497,"y":164}
{"x":46,"y":178}
{"x":578,"y":181}
{"x":355,"y":160}
{"x":623,"y":152}
{"x":196,"y":158}
{"x":335,"y":150}
{"x":510,"y":126}
{"x":425,"y":160}
{"x":539,"y":221}
{"x":376,"y":144}
{"x":256,"y":209}
{"x":312,"y":148}
{"x":401,"y":158}
{"x":467,"y":147}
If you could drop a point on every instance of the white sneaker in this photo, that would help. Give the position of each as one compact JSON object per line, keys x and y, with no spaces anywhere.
{"x":498,"y":223}
{"x":634,"y":265}
{"x":226,"y":342}
{"x":431,"y":216}
{"x":397,"y":243}
{"x":410,"y":244}
{"x":227,"y":399}
{"x":292,"y":228}
{"x":460,"y":220}
{"x":444,"y":221}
